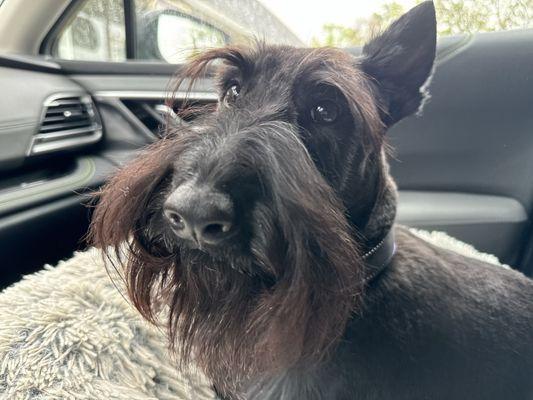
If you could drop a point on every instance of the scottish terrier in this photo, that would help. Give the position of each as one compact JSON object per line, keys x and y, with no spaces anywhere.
{"x":265,"y":231}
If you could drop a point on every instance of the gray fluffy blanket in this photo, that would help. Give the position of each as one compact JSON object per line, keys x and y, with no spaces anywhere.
{"x":67,"y":333}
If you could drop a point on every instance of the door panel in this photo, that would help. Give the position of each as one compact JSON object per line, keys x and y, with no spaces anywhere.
{"x":475,"y":137}
{"x":42,"y":234}
{"x":476,"y":131}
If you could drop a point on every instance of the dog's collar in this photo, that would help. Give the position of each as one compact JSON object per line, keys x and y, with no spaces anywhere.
{"x":378,"y":257}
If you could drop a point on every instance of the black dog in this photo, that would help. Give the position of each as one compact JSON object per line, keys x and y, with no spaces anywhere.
{"x":267,"y":228}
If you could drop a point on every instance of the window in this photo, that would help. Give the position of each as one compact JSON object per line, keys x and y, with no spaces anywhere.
{"x":165,"y":30}
{"x":361,"y":20}
{"x":171,"y":34}
{"x":173,"y":30}
{"x":96,"y":33}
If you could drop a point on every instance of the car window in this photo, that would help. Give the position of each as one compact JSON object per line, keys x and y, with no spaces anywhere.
{"x":167,"y":30}
{"x":362,"y":20}
{"x":173,"y":30}
{"x":171,"y":34}
{"x":96,"y":33}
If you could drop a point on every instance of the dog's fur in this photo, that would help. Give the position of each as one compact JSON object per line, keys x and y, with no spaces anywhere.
{"x":280,"y":310}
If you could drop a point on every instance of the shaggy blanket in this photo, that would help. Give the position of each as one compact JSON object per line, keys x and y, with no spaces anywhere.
{"x":66,"y":332}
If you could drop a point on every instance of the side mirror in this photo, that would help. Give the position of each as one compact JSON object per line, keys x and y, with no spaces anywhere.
{"x":174,"y":37}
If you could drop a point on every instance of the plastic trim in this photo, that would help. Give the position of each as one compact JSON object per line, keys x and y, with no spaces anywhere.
{"x":42,"y":143}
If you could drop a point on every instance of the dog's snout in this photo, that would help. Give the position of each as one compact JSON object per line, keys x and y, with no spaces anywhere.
{"x":200,"y":214}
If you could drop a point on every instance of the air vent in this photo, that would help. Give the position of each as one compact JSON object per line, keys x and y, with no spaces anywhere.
{"x":155,"y":115}
{"x":68,"y":121}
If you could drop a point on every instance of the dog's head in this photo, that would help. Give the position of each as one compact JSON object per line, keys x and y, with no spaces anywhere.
{"x":246,"y":221}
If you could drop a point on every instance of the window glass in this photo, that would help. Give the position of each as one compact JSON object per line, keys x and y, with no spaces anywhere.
{"x":168,"y":33}
{"x":173,"y":30}
{"x":96,"y":33}
{"x":353,"y":23}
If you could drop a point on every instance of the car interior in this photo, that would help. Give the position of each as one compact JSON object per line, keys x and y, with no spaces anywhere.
{"x":463,"y":167}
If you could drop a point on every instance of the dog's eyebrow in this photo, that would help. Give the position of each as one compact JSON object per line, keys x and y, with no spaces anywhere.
{"x":232,"y":55}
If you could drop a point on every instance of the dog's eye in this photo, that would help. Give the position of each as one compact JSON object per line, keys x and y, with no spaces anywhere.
{"x":232,"y":93}
{"x":325,"y":112}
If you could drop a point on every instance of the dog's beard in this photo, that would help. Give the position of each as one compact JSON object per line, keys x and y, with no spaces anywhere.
{"x":241,"y":316}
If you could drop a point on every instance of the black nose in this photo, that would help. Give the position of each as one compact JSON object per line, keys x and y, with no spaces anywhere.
{"x":200,"y":214}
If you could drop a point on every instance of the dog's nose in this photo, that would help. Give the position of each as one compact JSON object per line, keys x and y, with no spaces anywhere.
{"x":200,"y":214}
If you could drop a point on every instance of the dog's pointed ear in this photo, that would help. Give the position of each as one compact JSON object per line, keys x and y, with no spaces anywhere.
{"x":401,"y":61}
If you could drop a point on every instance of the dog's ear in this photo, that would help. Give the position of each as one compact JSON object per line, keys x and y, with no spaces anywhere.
{"x":401,"y":61}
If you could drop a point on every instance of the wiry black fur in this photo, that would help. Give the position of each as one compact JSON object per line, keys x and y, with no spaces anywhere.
{"x":281,"y":310}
